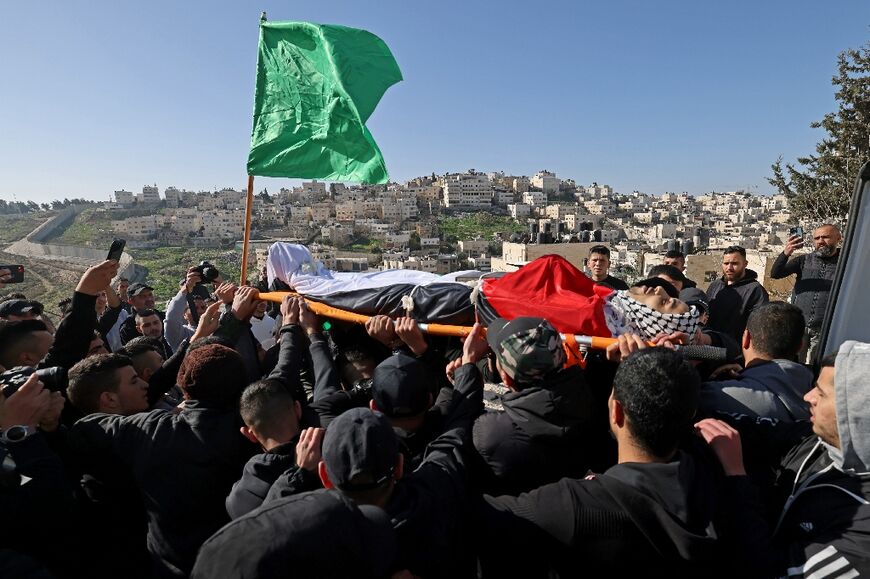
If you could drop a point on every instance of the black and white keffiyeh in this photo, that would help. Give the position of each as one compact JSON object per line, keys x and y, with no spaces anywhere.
{"x":626,"y":315}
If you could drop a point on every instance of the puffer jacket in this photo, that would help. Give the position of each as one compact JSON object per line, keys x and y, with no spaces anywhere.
{"x":814,"y":276}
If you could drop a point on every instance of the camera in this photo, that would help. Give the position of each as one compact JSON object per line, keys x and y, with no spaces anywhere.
{"x":208,"y":272}
{"x":53,"y":379}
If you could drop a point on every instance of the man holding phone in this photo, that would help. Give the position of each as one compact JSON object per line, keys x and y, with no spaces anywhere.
{"x":814,"y":275}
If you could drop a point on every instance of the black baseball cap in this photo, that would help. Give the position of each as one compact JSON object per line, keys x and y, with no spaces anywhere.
{"x":135,"y":288}
{"x":360,"y":442}
{"x":400,"y":386}
{"x":693,"y":296}
{"x":20,"y":307}
{"x":659,"y":282}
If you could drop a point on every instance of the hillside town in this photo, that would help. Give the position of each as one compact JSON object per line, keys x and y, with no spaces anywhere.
{"x":399,"y":226}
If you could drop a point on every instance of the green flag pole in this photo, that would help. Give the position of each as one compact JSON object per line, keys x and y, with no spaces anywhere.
{"x":316,"y":86}
{"x":248,"y":207}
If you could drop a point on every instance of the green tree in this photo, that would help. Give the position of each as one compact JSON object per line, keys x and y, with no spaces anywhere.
{"x":820,"y":190}
{"x":414,"y":242}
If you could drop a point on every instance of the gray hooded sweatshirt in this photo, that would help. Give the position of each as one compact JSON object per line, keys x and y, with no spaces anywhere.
{"x":852,"y":387}
{"x":824,"y":527}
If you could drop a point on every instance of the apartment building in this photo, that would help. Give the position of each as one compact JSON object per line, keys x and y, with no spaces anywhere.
{"x":545,"y":181}
{"x":469,"y":191}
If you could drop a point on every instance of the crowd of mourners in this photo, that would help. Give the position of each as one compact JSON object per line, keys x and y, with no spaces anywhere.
{"x":232,"y":437}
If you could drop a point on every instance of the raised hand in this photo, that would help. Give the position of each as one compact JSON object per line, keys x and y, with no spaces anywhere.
{"x":290,"y":310}
{"x":794,"y":243}
{"x":450,"y":370}
{"x":409,"y":332}
{"x":307,"y":319}
{"x":475,"y":346}
{"x":245,"y":303}
{"x":190,"y":281}
{"x":97,"y":278}
{"x":308,"y":449}
{"x":725,"y":443}
{"x":382,"y":329}
{"x":209,"y":322}
{"x":625,"y":345}
{"x":226,"y":292}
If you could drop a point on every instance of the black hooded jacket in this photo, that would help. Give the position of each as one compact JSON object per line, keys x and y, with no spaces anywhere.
{"x":184,"y":464}
{"x":643,"y":519}
{"x":730,"y":305}
{"x":262,"y":471}
{"x":539,"y":438}
{"x":316,"y":534}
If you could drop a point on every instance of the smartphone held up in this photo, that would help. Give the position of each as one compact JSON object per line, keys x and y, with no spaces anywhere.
{"x":116,"y":249}
{"x":15,"y":275}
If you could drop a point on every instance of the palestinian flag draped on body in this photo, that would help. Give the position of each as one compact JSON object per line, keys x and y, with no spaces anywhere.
{"x":549,"y":287}
{"x":316,"y":87}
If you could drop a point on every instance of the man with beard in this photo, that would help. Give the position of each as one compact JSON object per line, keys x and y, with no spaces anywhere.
{"x":814,"y":275}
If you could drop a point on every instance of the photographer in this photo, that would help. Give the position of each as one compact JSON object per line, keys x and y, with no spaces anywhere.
{"x":33,"y":492}
{"x":185,"y":308}
{"x":814,"y":274}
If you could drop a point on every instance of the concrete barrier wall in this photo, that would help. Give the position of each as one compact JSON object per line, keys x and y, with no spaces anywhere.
{"x":61,"y":220}
{"x":32,"y":247}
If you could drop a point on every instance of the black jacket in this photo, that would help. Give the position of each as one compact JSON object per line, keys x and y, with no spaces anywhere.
{"x":730,"y":305}
{"x":812,"y":288}
{"x":274,"y":474}
{"x":540,"y":436}
{"x":613,"y":282}
{"x":636,"y":519}
{"x":128,"y":330}
{"x":184,"y":464}
{"x":109,"y":510}
{"x":312,"y":535}
{"x":430,"y":511}
{"x":813,"y":514}
{"x":262,"y":472}
{"x":72,"y":339}
{"x":826,"y":513}
{"x":35,"y":514}
{"x":429,"y":506}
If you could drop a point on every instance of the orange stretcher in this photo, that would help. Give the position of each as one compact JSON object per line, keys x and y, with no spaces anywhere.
{"x":333,"y":313}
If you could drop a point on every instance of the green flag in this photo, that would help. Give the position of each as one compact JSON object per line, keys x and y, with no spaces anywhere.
{"x":317,"y":85}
